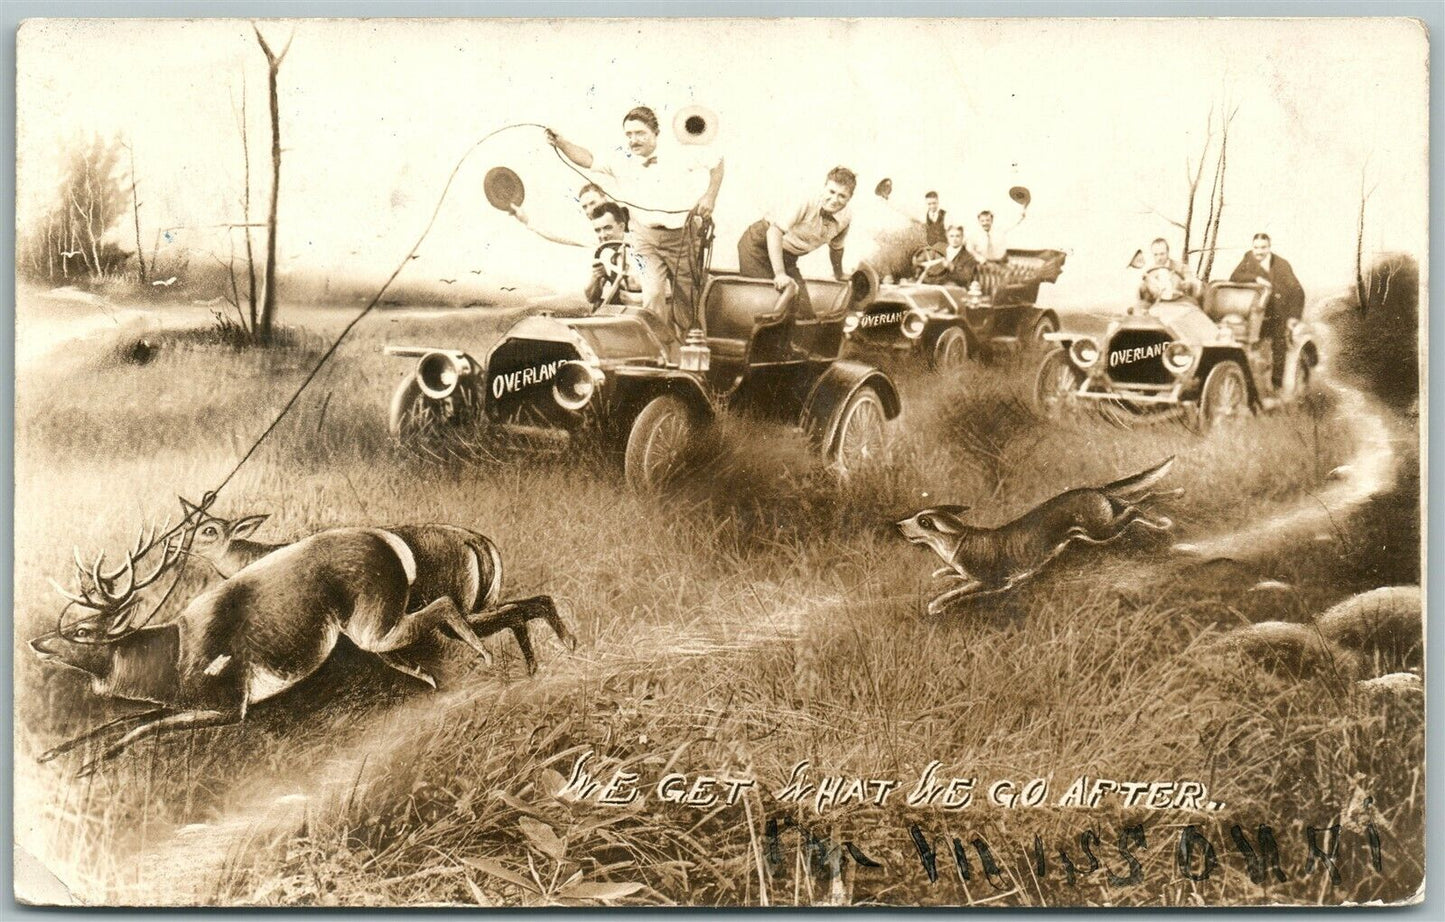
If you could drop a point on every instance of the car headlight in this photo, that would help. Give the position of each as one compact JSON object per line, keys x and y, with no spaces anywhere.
{"x":438,"y":374}
{"x":1178,"y":358}
{"x":850,"y":323}
{"x":574,"y":384}
{"x":1084,"y":352}
{"x":913,"y":324}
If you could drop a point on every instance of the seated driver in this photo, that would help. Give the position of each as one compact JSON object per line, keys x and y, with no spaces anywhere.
{"x":1178,"y":282}
{"x":616,"y":281}
{"x":953,"y":264}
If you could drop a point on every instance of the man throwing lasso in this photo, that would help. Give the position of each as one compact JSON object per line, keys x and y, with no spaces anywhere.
{"x":644,"y":178}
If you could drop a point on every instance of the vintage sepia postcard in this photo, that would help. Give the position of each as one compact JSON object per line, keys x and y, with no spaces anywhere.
{"x":754,"y":463}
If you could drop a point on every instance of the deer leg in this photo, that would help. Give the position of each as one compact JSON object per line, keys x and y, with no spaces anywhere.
{"x":185,"y":720}
{"x":943,"y":600}
{"x":505,"y":614}
{"x":406,"y":669}
{"x":94,"y":732}
{"x":524,"y":641}
{"x":408,"y":629}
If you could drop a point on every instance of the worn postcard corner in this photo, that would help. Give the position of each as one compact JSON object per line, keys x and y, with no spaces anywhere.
{"x":720,"y":463}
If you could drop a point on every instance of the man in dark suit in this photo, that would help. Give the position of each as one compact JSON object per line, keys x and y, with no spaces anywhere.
{"x":950,"y":265}
{"x":1286,"y":301}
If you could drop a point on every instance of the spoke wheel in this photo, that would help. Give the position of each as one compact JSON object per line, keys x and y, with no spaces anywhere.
{"x":416,"y":420}
{"x":1056,"y":384}
{"x":1225,"y":397}
{"x":951,"y":350}
{"x":658,"y":442}
{"x":862,"y":435}
{"x":1041,"y":328}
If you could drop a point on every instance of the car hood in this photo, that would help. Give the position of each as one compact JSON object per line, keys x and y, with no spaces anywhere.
{"x":610,"y":339}
{"x":1182,"y":319}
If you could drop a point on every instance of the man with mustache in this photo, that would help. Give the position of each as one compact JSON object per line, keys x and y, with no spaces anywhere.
{"x":665,"y":193}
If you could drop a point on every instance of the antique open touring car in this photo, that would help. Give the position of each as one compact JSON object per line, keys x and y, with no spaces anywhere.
{"x":609,"y":377}
{"x":1207,"y":360}
{"x":946,"y":324}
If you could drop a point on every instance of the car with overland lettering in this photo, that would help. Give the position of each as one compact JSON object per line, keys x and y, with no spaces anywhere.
{"x":609,"y":378}
{"x":1205,"y":360}
{"x":945,"y":325}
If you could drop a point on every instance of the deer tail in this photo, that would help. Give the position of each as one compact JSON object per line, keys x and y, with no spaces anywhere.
{"x":1140,"y":481}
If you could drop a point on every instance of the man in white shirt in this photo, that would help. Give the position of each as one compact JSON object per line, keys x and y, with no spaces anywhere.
{"x":989,"y":244}
{"x":661,"y":189}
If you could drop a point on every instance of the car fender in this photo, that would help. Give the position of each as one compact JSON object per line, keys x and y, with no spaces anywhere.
{"x":831,"y":392}
{"x":634,"y":387}
{"x":1302,"y":350}
{"x":1213,"y":355}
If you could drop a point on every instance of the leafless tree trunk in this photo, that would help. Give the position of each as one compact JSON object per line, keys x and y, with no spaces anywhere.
{"x":135,"y":212}
{"x":1362,"y":286}
{"x":1216,"y":200}
{"x":246,"y":208}
{"x":273,"y":66}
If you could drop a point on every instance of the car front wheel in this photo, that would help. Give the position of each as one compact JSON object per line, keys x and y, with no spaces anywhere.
{"x":951,"y":350}
{"x":1225,"y":396}
{"x":1056,"y":384}
{"x":415,"y":418}
{"x":1041,"y":328}
{"x":658,"y":441}
{"x":862,"y":434}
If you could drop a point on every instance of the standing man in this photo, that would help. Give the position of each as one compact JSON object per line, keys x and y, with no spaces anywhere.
{"x":933,"y":221}
{"x":661,"y":189}
{"x":771,"y":246}
{"x":1286,"y":300}
{"x":989,"y":244}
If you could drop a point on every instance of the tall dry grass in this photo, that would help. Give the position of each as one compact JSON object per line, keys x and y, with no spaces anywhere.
{"x":756,"y":614}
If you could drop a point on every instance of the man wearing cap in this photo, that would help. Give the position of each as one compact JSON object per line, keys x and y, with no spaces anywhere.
{"x":771,"y":246}
{"x":609,"y":221}
{"x":663,"y":190}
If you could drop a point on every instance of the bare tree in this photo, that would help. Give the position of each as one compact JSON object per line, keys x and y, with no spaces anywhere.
{"x":135,"y":213}
{"x":1193,"y":175}
{"x":1216,"y":199}
{"x":1364,"y":287}
{"x":89,"y":202}
{"x":273,"y":66}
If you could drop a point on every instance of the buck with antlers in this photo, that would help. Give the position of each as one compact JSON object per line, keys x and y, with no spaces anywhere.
{"x":275,"y":621}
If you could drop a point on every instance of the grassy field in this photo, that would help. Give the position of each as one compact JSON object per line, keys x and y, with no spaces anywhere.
{"x":757,"y":615}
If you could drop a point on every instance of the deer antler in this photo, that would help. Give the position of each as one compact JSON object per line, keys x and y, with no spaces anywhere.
{"x":113,"y":594}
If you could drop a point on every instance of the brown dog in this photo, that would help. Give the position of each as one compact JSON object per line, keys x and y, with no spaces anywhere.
{"x":992,"y":560}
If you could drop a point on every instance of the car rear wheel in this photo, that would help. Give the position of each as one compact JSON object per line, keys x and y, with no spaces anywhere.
{"x":1225,"y":397}
{"x":658,"y":442}
{"x":1304,"y":374}
{"x":862,"y":434}
{"x":1041,"y":328}
{"x":1056,"y":384}
{"x":416,"y":419}
{"x":950,"y":351}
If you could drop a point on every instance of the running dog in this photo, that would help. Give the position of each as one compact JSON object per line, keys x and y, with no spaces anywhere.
{"x":991,"y":560}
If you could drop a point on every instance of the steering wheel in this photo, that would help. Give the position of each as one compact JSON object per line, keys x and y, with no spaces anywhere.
{"x":926,"y":258}
{"x":1163,"y":284}
{"x":612,"y":258}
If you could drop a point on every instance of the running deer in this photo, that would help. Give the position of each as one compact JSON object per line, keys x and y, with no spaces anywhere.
{"x":991,"y":560}
{"x":451,"y":561}
{"x":265,"y":629}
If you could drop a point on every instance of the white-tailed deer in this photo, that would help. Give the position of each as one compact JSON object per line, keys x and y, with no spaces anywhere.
{"x":263,"y":630}
{"x":451,"y":561}
{"x":990,"y":560}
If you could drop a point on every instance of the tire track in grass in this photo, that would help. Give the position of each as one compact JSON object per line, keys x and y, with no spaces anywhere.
{"x":186,"y":867}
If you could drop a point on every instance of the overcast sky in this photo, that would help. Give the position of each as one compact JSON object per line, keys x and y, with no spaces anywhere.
{"x":1095,"y":117}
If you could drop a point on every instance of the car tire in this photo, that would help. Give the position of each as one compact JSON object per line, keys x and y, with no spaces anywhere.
{"x":861,"y":436}
{"x":1225,"y":395}
{"x":1303,"y":378}
{"x":1043,"y":326}
{"x":415,"y":419}
{"x":658,"y":442}
{"x":950,"y":350}
{"x":1055,"y":384}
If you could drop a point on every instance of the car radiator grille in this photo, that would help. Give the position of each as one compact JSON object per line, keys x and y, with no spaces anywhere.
{"x":1137,"y":357}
